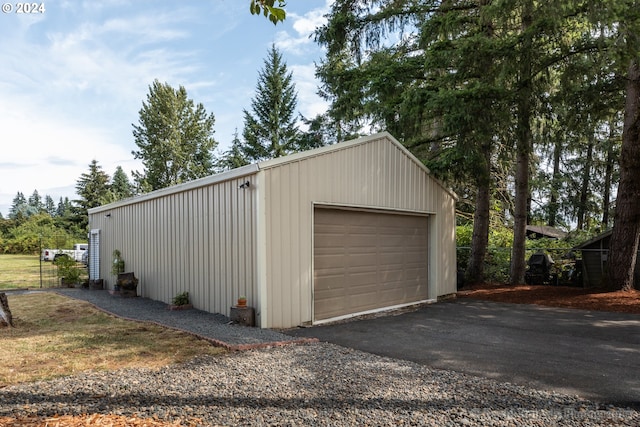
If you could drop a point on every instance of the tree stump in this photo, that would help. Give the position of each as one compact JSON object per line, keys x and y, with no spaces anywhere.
{"x":5,"y":313}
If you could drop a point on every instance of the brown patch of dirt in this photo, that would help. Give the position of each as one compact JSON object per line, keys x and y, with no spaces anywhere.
{"x":66,"y":313}
{"x":557,"y":296}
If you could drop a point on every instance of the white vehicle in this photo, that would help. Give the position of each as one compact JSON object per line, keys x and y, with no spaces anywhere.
{"x":79,"y":249}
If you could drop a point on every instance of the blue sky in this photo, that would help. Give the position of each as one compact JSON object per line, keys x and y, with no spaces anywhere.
{"x":73,"y":79}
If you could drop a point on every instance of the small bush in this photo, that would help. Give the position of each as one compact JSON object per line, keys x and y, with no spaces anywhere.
{"x":181,"y":299}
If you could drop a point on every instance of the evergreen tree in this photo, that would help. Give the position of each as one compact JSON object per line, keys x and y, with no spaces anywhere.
{"x":625,"y":238}
{"x":121,"y":187}
{"x":174,"y":138}
{"x":232,"y":158}
{"x":35,"y":202}
{"x":320,"y":132}
{"x":463,"y":89}
{"x":19,"y":207}
{"x":93,"y":188}
{"x":270,"y":129}
{"x":64,"y":207}
{"x":49,"y":206}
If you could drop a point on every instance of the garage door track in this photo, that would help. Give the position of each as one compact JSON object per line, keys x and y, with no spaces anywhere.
{"x":595,"y":355}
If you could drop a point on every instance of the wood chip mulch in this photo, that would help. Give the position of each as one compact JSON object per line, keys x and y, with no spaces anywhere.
{"x":558,"y":296}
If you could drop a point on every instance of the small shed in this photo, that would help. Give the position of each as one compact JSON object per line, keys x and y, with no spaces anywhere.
{"x":544,"y":231}
{"x":347,"y":229}
{"x":595,"y":253}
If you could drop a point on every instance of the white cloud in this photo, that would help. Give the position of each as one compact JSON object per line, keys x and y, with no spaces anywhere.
{"x":307,"y":23}
{"x":304,"y":26}
{"x":50,"y":151}
{"x":309,"y":103}
{"x":73,"y":79}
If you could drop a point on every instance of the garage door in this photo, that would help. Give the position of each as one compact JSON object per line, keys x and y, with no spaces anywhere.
{"x":367,"y":260}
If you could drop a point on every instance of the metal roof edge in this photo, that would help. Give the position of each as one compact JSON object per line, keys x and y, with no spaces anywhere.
{"x":201,"y":182}
{"x":272,"y":163}
{"x":594,"y":239}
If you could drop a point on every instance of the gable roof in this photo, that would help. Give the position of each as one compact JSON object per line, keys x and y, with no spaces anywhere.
{"x":546,"y":231}
{"x":594,"y":239}
{"x":267,"y":164}
{"x":272,"y":163}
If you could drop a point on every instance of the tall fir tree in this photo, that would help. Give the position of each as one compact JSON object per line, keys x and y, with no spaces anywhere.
{"x":49,"y":205}
{"x":462,"y":88}
{"x":63,"y":207}
{"x":35,"y":202}
{"x":174,"y":137}
{"x":233,"y":157}
{"x":121,"y":187}
{"x":625,"y":237}
{"x":270,"y":128}
{"x":19,"y":207}
{"x":93,"y":188}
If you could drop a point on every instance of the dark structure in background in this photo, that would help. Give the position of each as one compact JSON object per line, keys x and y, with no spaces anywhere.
{"x":595,"y":253}
{"x":544,"y":231}
{"x":539,"y":270}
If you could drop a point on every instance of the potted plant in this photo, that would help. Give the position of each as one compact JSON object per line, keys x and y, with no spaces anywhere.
{"x":68,"y":272}
{"x":117,"y":266}
{"x":242,"y":301}
{"x":181,"y":302}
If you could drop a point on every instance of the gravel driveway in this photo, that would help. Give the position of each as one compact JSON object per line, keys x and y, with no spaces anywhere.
{"x":313,"y":384}
{"x":307,"y":384}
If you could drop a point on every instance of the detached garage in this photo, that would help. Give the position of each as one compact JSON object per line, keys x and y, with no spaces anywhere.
{"x":331,"y":233}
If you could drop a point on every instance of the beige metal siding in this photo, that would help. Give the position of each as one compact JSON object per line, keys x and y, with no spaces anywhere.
{"x":367,"y":260}
{"x":200,"y":240}
{"x":372,"y":172}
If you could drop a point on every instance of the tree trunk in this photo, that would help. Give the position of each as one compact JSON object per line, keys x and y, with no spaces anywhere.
{"x":523,"y":149}
{"x":608,"y":174}
{"x":480,"y":238}
{"x":555,"y":185}
{"x":623,"y":248}
{"x":481,"y":216}
{"x":584,"y":187}
{"x":5,"y":313}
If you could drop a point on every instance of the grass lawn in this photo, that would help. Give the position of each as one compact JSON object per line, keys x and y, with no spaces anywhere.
{"x":57,"y":336}
{"x":24,"y":271}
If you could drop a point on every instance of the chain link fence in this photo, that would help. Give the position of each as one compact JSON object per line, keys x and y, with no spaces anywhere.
{"x":566,"y":263}
{"x":31,"y":272}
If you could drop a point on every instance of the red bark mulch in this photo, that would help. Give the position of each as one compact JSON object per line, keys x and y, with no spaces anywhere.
{"x":557,"y":296}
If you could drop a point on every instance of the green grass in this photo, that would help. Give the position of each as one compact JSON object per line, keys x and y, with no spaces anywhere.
{"x":26,"y":271}
{"x":58,"y":336}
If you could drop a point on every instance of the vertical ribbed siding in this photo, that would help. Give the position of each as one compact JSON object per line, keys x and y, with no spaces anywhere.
{"x":201,"y":240}
{"x":375,"y":174}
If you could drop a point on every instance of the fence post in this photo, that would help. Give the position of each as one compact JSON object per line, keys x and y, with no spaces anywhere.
{"x":40,"y":258}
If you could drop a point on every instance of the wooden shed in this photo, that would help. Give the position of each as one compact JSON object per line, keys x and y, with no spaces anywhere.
{"x":595,"y":254}
{"x":338,"y":231}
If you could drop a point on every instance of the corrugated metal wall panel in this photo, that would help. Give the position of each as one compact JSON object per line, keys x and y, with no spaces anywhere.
{"x":375,"y":174}
{"x":201,"y":240}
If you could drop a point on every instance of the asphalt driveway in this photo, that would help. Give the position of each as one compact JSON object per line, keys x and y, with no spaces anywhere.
{"x":595,"y":355}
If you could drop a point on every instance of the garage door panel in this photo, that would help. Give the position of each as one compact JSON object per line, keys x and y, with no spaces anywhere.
{"x":330,"y":261}
{"x":378,"y":260}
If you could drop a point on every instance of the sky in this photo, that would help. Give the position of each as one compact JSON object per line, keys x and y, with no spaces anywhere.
{"x":73,"y":77}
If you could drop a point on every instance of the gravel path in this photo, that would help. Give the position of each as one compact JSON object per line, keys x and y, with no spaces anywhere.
{"x":314,"y":384}
{"x":216,"y":328}
{"x":295,"y":385}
